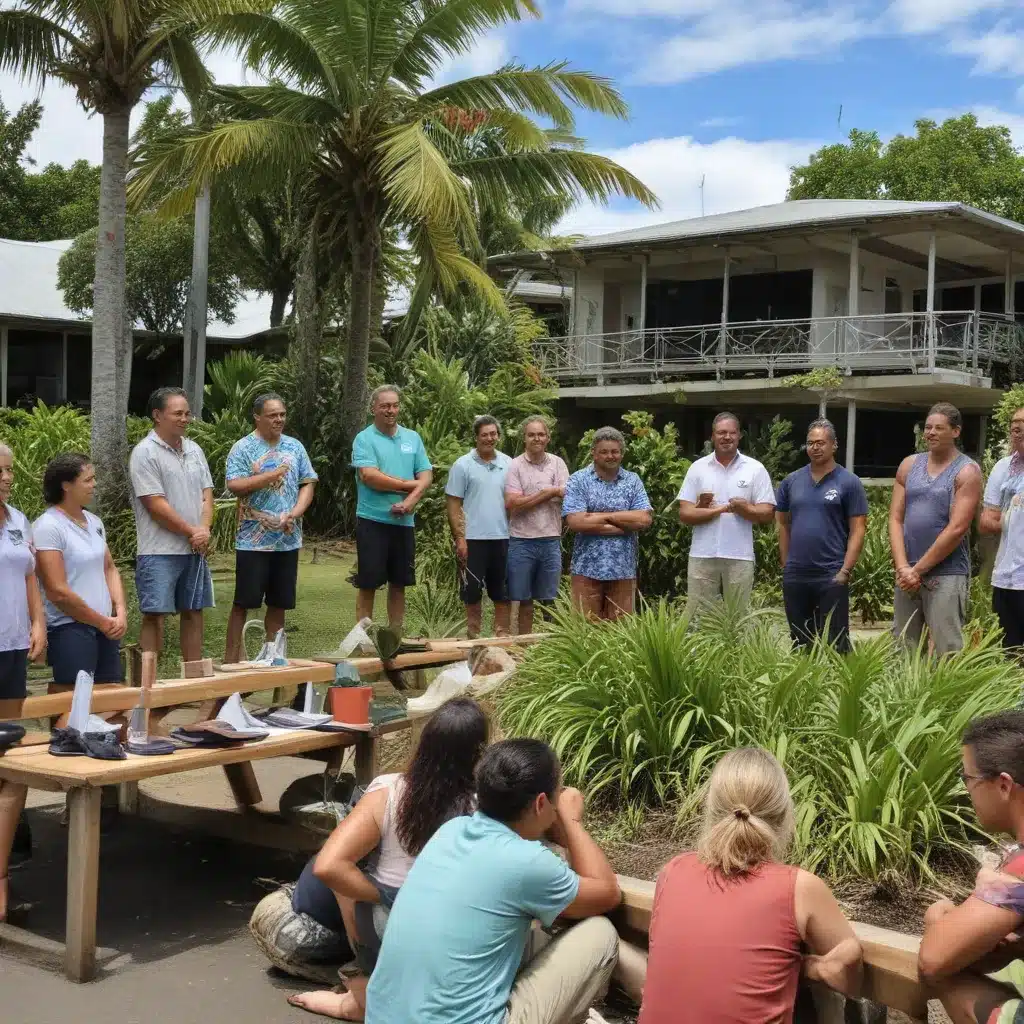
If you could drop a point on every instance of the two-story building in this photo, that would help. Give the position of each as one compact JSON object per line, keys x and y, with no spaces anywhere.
{"x":912,"y":302}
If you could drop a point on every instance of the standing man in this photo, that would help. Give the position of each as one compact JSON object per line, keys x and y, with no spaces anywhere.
{"x":605,"y":506}
{"x":1002,"y":515}
{"x":392,"y":474}
{"x":822,"y":514}
{"x":272,"y":477}
{"x":475,"y":497}
{"x":723,"y":495}
{"x":934,"y":500}
{"x":172,"y":496}
{"x":534,"y":489}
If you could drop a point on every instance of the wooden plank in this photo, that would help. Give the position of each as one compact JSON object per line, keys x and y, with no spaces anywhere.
{"x":244,"y":786}
{"x":128,"y":798}
{"x":367,"y":759}
{"x":890,"y":958}
{"x":83,"y":883}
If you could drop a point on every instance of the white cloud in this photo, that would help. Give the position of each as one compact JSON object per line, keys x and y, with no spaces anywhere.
{"x":914,"y":16}
{"x":1015,"y":122}
{"x":720,"y":122}
{"x":645,"y":8}
{"x":489,"y":54}
{"x":999,"y":52}
{"x":737,"y":174}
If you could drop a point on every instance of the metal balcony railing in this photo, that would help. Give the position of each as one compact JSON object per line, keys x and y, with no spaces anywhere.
{"x":908,"y":342}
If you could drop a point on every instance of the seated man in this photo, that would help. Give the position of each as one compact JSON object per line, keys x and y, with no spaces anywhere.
{"x":457,"y":949}
{"x":962,"y":944}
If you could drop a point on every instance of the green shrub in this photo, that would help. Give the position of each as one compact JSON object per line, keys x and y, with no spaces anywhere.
{"x":640,"y":709}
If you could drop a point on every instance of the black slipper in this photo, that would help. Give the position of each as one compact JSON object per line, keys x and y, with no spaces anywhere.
{"x":103,"y":745}
{"x":10,"y":733}
{"x":67,"y":743}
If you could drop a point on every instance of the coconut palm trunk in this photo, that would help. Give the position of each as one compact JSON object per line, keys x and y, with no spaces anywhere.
{"x":362,"y":236}
{"x":111,"y":332}
{"x":308,"y":338}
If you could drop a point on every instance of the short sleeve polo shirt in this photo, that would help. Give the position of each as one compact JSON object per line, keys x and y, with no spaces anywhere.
{"x":400,"y":455}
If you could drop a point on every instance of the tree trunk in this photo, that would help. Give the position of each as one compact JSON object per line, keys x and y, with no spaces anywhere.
{"x":308,"y":340}
{"x":362,"y":234}
{"x":279,"y":304}
{"x":378,"y":300}
{"x":194,"y":326}
{"x":111,"y":323}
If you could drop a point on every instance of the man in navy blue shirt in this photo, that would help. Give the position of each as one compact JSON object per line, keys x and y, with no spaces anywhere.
{"x":822,"y":512}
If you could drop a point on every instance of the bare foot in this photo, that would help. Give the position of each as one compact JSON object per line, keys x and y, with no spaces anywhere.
{"x":339,"y":1005}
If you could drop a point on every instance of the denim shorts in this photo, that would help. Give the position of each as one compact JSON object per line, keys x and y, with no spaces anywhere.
{"x":76,"y":647}
{"x":534,"y":568}
{"x":173,"y":583}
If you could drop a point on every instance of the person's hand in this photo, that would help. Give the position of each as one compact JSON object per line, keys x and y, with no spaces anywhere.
{"x":907,"y":579}
{"x":704,"y":499}
{"x":462,"y":550}
{"x":842,"y":577}
{"x":109,"y":627}
{"x":287,"y":522}
{"x":199,"y":538}
{"x":36,"y":641}
{"x":611,"y":530}
{"x":120,"y":626}
{"x":825,"y":969}
{"x":401,"y":508}
{"x":738,"y":506}
{"x":277,"y":475}
{"x":570,"y":805}
{"x":557,"y":492}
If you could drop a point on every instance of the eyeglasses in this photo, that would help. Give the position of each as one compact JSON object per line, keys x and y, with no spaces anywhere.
{"x":967,"y":777}
{"x":818,"y":444}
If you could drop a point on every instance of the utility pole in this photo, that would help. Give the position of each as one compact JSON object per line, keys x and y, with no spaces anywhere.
{"x":194,"y":327}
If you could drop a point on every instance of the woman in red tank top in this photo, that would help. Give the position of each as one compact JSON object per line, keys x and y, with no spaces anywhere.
{"x":730,"y":920}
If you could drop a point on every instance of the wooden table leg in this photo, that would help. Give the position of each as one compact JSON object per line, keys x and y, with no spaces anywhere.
{"x":367,"y":759}
{"x":244,"y":786}
{"x":83,"y":882}
{"x":128,"y":798}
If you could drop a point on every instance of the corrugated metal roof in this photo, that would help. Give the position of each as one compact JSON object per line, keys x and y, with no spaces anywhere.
{"x":28,"y":288}
{"x":792,"y":214}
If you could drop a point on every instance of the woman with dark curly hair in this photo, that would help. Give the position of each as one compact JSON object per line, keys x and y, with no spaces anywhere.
{"x":368,"y":855}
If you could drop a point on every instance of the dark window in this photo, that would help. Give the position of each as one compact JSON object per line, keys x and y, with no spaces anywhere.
{"x":79,"y":368}
{"x":35,"y":364}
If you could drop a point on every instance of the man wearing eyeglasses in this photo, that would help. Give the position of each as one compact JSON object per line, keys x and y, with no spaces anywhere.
{"x":971,"y":955}
{"x":822,"y":514}
{"x":1001,"y":515}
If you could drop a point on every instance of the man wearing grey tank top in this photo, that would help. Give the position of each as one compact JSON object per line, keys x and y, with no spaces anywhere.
{"x":934,"y":501}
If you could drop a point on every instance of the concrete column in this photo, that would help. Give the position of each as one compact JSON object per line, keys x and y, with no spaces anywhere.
{"x":1010,"y":296}
{"x":851,"y":433}
{"x":726,"y":274}
{"x":3,"y":365}
{"x":854,"y":289}
{"x":930,"y":305}
{"x":643,"y":292}
{"x":573,"y":301}
{"x":976,"y":333}
{"x":983,"y":431}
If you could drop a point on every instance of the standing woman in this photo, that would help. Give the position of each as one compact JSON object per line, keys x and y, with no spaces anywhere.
{"x":85,"y":609}
{"x":1001,"y":515}
{"x":22,"y":638}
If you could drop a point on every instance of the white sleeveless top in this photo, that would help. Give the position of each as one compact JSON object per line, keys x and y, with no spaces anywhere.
{"x":392,"y":862}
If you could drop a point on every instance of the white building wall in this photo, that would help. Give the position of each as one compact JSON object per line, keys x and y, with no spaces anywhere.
{"x":589,"y":299}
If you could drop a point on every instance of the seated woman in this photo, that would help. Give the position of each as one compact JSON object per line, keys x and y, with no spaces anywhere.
{"x":729,"y":920}
{"x":22,"y":639}
{"x":85,"y":606}
{"x":368,"y":855}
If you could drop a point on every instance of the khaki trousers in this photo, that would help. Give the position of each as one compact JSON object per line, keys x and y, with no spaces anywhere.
{"x":563,"y":977}
{"x":712,"y":579}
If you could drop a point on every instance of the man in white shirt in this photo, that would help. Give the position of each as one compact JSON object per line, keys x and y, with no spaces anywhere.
{"x":723,"y":495}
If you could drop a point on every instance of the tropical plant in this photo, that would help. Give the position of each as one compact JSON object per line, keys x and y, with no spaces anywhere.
{"x":771,"y":444}
{"x":351,"y":109}
{"x":640,"y":709}
{"x":824,"y":381}
{"x":110,"y":52}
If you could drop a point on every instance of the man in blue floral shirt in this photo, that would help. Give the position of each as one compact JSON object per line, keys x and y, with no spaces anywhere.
{"x":273,"y":479}
{"x":605,"y":506}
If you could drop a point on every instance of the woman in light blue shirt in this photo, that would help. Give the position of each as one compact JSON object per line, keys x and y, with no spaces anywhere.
{"x":22,"y":639}
{"x":85,"y":606}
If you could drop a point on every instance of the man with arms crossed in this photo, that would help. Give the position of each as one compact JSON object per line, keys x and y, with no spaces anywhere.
{"x":392,"y":474}
{"x":534,"y":489}
{"x":822,"y":517}
{"x":475,"y":497}
{"x":723,"y":495}
{"x":172,"y":496}
{"x":934,"y":500}
{"x":461,"y":927}
{"x":971,"y":955}
{"x":273,"y":478}
{"x":606,"y":506}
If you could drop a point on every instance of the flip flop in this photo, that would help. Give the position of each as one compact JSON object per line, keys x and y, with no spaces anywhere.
{"x":152,"y":747}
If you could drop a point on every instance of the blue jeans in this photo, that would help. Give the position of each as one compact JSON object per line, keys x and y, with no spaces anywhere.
{"x":534,"y":568}
{"x":173,"y":583}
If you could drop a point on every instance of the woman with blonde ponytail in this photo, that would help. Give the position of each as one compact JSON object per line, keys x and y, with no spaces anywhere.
{"x":729,"y":921}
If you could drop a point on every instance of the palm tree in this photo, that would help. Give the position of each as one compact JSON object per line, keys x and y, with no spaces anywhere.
{"x":112,"y":52}
{"x":351,"y":107}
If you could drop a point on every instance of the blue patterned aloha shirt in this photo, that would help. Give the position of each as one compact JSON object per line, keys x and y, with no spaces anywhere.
{"x":605,"y":558}
{"x":259,"y":513}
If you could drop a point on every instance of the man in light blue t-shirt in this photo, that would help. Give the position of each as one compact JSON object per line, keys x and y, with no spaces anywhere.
{"x":392,"y":474}
{"x":475,"y":495}
{"x":460,"y":930}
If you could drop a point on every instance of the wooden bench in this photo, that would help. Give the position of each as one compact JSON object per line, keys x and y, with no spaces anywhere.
{"x":890,"y":958}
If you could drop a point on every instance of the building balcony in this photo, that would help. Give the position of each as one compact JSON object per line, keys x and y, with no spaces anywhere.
{"x":969,"y":341}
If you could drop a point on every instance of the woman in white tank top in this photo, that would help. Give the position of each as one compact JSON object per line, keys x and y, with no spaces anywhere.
{"x":367,"y":857}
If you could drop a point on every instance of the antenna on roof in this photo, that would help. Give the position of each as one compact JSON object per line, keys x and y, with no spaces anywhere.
{"x":702,"y":177}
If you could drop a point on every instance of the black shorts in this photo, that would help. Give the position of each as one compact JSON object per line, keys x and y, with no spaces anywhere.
{"x":385,"y":553}
{"x":486,"y":566}
{"x":1009,"y":606}
{"x":13,"y":674}
{"x":266,"y":575}
{"x":76,"y":647}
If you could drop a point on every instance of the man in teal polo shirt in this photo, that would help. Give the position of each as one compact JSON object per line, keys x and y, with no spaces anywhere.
{"x":392,"y":474}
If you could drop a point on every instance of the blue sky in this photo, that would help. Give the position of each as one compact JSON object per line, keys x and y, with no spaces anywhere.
{"x":731,"y":91}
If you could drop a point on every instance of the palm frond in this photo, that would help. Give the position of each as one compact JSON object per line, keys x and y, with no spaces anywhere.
{"x":442,"y":257}
{"x":187,"y":68}
{"x":32,"y":45}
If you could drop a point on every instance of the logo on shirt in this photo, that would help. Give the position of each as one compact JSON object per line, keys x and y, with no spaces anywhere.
{"x":407,"y":448}
{"x":832,"y":495}
{"x":17,"y":537}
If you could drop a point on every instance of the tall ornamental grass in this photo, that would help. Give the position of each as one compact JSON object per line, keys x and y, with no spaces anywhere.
{"x":639,"y":711}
